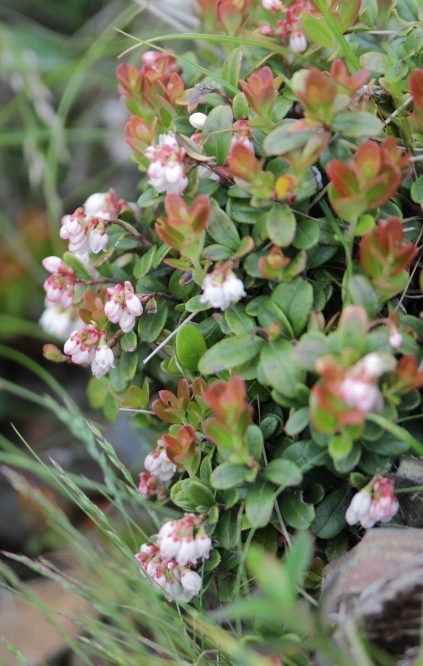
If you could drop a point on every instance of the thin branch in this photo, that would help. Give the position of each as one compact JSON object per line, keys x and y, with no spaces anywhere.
{"x":129,"y":230}
{"x":169,"y":337}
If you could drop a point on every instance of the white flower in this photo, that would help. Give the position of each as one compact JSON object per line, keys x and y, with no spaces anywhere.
{"x":94,"y":204}
{"x":104,"y":360}
{"x":272,"y":5}
{"x":187,"y":553}
{"x":198,"y":120}
{"x":98,"y":241}
{"x":221,"y":291}
{"x":170,"y":546}
{"x":375,"y":365}
{"x":191,"y":581}
{"x":58,"y":322}
{"x":204,"y":545}
{"x":113,"y":310}
{"x":127,"y":321}
{"x":298,"y":42}
{"x":359,"y":507}
{"x":166,"y":173}
{"x":152,"y":462}
{"x":359,"y":394}
{"x":395,"y":339}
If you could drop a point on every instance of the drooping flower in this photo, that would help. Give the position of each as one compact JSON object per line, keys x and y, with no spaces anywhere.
{"x":176,"y":539}
{"x":198,"y":120}
{"x":89,"y":345}
{"x":178,"y":583}
{"x":298,"y":42}
{"x":84,"y":232}
{"x":221,"y":288}
{"x":104,"y":358}
{"x":150,"y":486}
{"x":123,"y":306}
{"x":374,"y":503}
{"x":166,"y":172}
{"x":60,"y":286}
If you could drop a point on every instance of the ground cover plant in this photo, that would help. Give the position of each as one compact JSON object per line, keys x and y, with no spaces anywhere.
{"x":257,"y":309}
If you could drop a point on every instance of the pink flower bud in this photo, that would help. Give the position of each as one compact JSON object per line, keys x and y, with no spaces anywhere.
{"x":298,"y":42}
{"x":152,"y":462}
{"x":133,"y":305}
{"x":81,"y":355}
{"x":359,"y":394}
{"x":53,"y":264}
{"x":395,"y":339}
{"x":359,"y":507}
{"x":272,"y":5}
{"x":104,"y":356}
{"x":113,"y":311}
{"x":204,"y":545}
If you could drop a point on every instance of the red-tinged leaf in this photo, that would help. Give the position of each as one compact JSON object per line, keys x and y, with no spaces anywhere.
{"x":368,"y":158}
{"x":85,"y":315}
{"x":349,"y":208}
{"x":183,"y":393}
{"x":90,"y":300}
{"x":372,"y":260}
{"x":403,"y":259}
{"x":416,"y":88}
{"x":343,"y":178}
{"x":314,"y":148}
{"x":383,"y":187}
{"x":168,"y":414}
{"x":390,"y":231}
{"x":176,"y":207}
{"x":200,"y":212}
{"x":229,"y":16}
{"x":220,"y":434}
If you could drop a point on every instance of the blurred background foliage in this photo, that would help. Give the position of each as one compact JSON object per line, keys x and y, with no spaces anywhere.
{"x":61,"y":128}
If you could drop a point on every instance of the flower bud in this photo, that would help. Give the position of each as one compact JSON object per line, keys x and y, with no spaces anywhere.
{"x":198,"y":120}
{"x":53,"y":353}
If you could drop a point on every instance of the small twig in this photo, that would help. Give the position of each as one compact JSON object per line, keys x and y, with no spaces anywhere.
{"x":169,"y":337}
{"x":155,"y":294}
{"x":99,"y":281}
{"x":397,"y":111}
{"x":130,"y":231}
{"x":114,"y":339}
{"x":139,"y":411}
{"x":278,"y":512}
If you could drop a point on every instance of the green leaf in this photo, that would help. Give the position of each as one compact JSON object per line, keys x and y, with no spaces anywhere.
{"x":281,"y":141}
{"x":111,"y":407}
{"x":217,"y":133}
{"x":97,"y":390}
{"x":357,"y":124}
{"x":231,"y":69}
{"x":296,"y":300}
{"x":228,"y":475}
{"x":80,"y":271}
{"x":149,"y":198}
{"x":298,"y":421}
{"x":221,"y":228}
{"x":144,"y":263}
{"x":362,"y":293}
{"x":190,"y":346}
{"x":278,"y":369}
{"x":283,"y":472}
{"x":298,"y":557}
{"x":226,"y":531}
{"x":238,"y":320}
{"x":128,"y":341}
{"x":345,"y":465}
{"x":269,"y":313}
{"x":151,"y":325}
{"x":387,"y":445}
{"x":217,"y":252}
{"x":340,"y":446}
{"x":295,"y":511}
{"x":307,"y":234}
{"x":281,"y":225}
{"x":198,"y":492}
{"x":317,"y":30}
{"x":375,"y":61}
{"x":416,"y":191}
{"x":230,"y":353}
{"x":259,"y":504}
{"x":330,"y":514}
{"x":128,"y":365}
{"x":148,"y":284}
{"x":254,"y":441}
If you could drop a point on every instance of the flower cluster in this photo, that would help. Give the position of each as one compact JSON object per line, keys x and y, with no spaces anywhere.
{"x":178,"y":583}
{"x":176,"y":540}
{"x":221,"y":288}
{"x":166,"y":170}
{"x":60,"y":286}
{"x":84,"y":232}
{"x":123,"y":306}
{"x":287,"y":27}
{"x":374,"y":503}
{"x":88,"y":345}
{"x":160,"y":469}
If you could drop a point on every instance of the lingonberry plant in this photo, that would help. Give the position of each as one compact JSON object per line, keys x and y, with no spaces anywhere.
{"x":265,"y":278}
